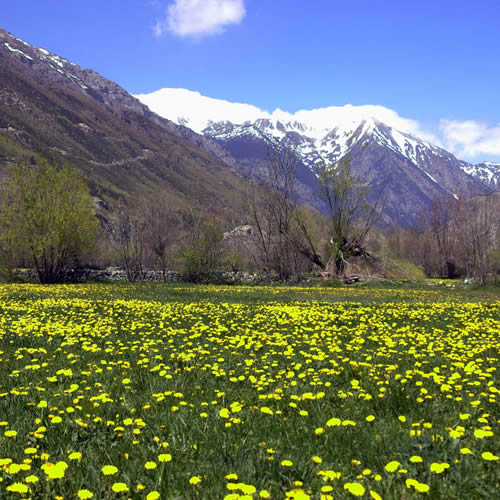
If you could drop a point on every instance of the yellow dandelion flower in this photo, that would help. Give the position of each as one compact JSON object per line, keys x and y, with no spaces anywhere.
{"x":119,"y":487}
{"x":109,"y":470}
{"x":224,"y":413}
{"x":392,"y":466}
{"x":438,"y":468}
{"x":334,"y":422}
{"x":355,"y":489}
{"x":17,"y":488}
{"x":55,"y":471}
{"x":85,"y":494}
{"x":478,"y":433}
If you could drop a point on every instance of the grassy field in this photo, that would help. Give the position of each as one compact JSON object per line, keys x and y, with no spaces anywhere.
{"x":177,"y":391}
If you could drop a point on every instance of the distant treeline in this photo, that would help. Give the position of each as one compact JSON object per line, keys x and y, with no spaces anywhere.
{"x":50,"y":223}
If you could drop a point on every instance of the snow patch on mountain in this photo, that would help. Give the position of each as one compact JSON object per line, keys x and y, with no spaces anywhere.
{"x":487,"y":171}
{"x":12,"y":49}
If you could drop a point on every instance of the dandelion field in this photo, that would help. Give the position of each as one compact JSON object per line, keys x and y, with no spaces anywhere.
{"x":154,"y":391}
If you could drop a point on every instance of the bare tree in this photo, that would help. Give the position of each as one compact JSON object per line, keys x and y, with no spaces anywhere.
{"x":439,"y":221}
{"x":262,"y":232}
{"x":478,"y":222}
{"x":128,"y":228}
{"x":161,"y":225}
{"x":272,"y":214}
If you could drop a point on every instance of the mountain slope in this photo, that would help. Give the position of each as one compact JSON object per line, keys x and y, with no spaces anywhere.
{"x":384,"y":148}
{"x":50,"y":105}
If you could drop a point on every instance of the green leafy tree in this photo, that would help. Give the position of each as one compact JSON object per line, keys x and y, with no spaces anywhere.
{"x":350,"y":216}
{"x":348,"y":221}
{"x":47,"y":216}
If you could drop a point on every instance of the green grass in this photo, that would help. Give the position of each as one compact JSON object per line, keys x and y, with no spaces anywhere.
{"x":273,"y":384}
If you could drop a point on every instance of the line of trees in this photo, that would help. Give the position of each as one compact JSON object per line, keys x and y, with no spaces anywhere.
{"x":459,"y":238}
{"x":48,"y":222}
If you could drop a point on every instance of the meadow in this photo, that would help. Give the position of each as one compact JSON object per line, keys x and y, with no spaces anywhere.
{"x":231,"y":392}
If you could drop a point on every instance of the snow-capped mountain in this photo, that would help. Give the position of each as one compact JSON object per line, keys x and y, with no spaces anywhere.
{"x":388,"y":151}
{"x":124,"y":142}
{"x":326,"y":134}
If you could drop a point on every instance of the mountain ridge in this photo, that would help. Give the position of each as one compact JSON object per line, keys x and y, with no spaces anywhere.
{"x":411,"y":170}
{"x":50,"y":105}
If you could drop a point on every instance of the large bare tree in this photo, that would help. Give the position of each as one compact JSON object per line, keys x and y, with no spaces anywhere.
{"x":478,"y":222}
{"x":128,"y":227}
{"x":439,"y":221}
{"x":272,"y":212}
{"x":160,"y":229}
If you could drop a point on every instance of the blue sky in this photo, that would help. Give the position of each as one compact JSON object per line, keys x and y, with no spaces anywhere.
{"x":437,"y":62}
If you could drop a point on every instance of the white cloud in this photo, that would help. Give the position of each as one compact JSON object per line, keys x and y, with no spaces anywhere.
{"x":186,"y":106}
{"x":470,"y":138}
{"x":200,"y":17}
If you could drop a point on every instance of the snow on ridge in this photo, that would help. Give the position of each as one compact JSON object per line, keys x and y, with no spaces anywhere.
{"x":488,"y":173}
{"x":332,"y":130}
{"x":12,"y":49}
{"x":197,"y":111}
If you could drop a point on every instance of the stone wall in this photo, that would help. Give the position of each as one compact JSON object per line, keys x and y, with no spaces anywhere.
{"x":116,"y":274}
